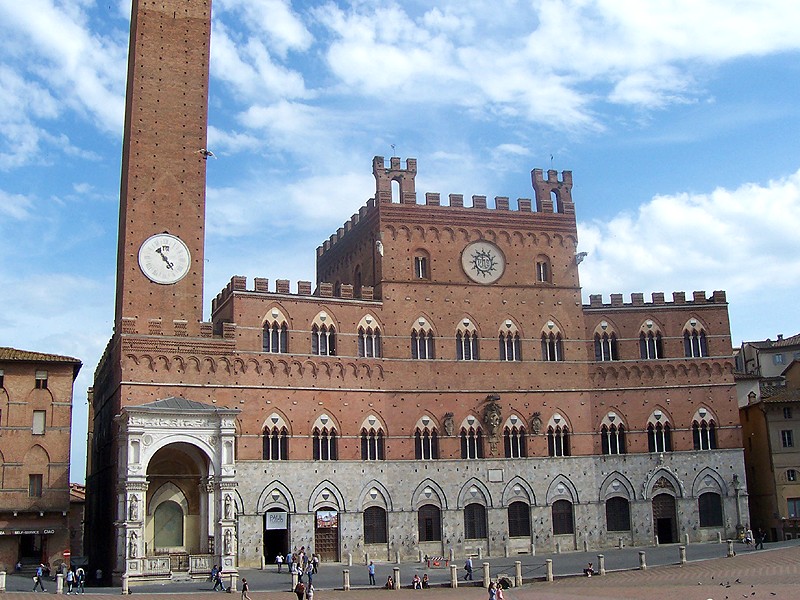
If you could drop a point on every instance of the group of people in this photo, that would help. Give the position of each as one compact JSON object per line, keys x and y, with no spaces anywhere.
{"x":495,"y":591}
{"x":75,"y":578}
{"x":216,"y":577}
{"x":758,"y":539}
{"x":300,"y":563}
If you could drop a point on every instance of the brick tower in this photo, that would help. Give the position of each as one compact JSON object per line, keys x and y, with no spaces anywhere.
{"x":164,"y":163}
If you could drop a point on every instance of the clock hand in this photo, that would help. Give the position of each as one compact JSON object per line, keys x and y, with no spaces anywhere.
{"x":164,"y":257}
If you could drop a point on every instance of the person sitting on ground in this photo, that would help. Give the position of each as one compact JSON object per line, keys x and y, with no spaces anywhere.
{"x":589,"y":570}
{"x":425,"y":583}
{"x":416,"y":582}
{"x":389,"y":583}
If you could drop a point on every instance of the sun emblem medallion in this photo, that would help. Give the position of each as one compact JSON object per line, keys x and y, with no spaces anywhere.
{"x":483,"y":262}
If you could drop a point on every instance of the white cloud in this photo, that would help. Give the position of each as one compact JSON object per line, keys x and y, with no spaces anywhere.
{"x":15,"y":206}
{"x":273,"y":20}
{"x":743,"y":241}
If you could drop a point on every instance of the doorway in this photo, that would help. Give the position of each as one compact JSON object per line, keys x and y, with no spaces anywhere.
{"x":276,"y":533}
{"x":326,"y":534}
{"x":665,"y":519}
{"x":31,"y":548}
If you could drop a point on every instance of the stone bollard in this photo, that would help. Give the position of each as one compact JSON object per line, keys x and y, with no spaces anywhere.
{"x":558,"y":547}
{"x":682,"y":553}
{"x":453,"y":576}
{"x":349,"y":559}
{"x":486,"y":576}
{"x":655,"y":541}
{"x":60,"y":583}
{"x":396,"y":572}
{"x":549,"y":564}
{"x":125,"y":590}
{"x":235,"y":582}
{"x":642,"y":560}
{"x":601,"y":564}
{"x":730,"y":549}
{"x":346,"y":580}
{"x":263,"y":562}
{"x":480,"y":553}
{"x":452,"y":555}
{"x":719,"y":537}
{"x":517,"y":573}
{"x":507,"y":551}
{"x":686,"y":539}
{"x":294,"y":580}
{"x":621,"y":545}
{"x":366,"y":558}
{"x":2,"y":581}
{"x":585,"y":545}
{"x":419,"y":555}
{"x":397,"y":557}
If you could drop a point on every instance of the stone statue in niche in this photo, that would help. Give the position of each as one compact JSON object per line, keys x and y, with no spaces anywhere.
{"x":133,"y":509}
{"x":132,"y":544}
{"x":228,"y":542}
{"x":228,"y":506}
{"x":536,"y":423}
{"x":492,"y":415}
{"x":449,"y":425}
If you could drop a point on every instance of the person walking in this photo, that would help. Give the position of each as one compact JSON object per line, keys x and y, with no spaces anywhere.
{"x":310,"y":592}
{"x":299,"y":590}
{"x":315,"y":562}
{"x":80,"y":580}
{"x":760,"y":537}
{"x":245,"y":589}
{"x":279,"y":561}
{"x":468,"y":569}
{"x":218,"y":585}
{"x":371,"y":570}
{"x":38,"y":579}
{"x":70,"y":581}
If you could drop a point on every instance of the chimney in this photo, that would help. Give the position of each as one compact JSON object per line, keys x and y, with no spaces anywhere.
{"x":780,"y":337}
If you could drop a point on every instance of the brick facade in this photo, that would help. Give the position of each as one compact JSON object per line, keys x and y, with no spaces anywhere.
{"x":526,"y":427}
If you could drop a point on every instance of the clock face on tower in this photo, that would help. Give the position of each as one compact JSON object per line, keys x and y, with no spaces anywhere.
{"x":164,"y":258}
{"x":483,"y":262}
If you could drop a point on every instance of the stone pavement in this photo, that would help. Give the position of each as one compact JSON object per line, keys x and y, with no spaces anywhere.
{"x":773,"y":574}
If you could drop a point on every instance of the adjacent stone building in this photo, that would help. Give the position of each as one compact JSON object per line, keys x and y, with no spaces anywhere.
{"x":35,"y":422}
{"x":441,"y":386}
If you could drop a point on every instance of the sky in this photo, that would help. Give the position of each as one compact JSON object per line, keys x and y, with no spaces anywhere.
{"x":679,"y":119}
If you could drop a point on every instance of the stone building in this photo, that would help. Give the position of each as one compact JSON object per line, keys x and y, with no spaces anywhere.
{"x":441,"y":386}
{"x":35,"y":422}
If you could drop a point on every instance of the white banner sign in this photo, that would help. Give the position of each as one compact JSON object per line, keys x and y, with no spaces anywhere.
{"x":276,"y":520}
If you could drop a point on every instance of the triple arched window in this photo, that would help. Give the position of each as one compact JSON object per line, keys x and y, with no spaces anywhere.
{"x":612,"y":437}
{"x":650,"y":343}
{"x":373,"y":444}
{"x":471,"y":442}
{"x":275,"y":443}
{"x":510,"y":342}
{"x":704,"y":431}
{"x":659,"y":432}
{"x":323,"y":336}
{"x":369,"y":338}
{"x":276,"y":333}
{"x":466,"y":341}
{"x":605,"y":346}
{"x":552,"y":344}
{"x":558,"y":437}
{"x":426,"y":443}
{"x":422,"y":345}
{"x":694,"y":340}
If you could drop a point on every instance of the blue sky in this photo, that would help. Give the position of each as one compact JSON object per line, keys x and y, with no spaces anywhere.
{"x":678,"y":118}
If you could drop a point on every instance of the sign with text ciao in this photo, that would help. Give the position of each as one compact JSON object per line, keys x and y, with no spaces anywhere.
{"x":27,"y":531}
{"x":276,"y":520}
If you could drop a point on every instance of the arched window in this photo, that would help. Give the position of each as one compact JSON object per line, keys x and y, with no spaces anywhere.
{"x":375,"y":531}
{"x":543,"y":272}
{"x":466,"y":341}
{"x":514,"y":441}
{"x":659,"y":433}
{"x":509,"y":342}
{"x":612,"y":435}
{"x":422,"y":265}
{"x":558,"y":440}
{"x":276,"y":333}
{"x":562,"y":518}
{"x":709,"y":505}
{"x":168,"y":525}
{"x":552,"y":345}
{"x":618,"y":514}
{"x":372,"y":444}
{"x":519,"y":519}
{"x":369,"y":338}
{"x":426,"y":444}
{"x":325,"y":444}
{"x":694,"y":340}
{"x":429,"y":522}
{"x":422,"y":341}
{"x":275,"y":443}
{"x":471,"y":442}
{"x":650,"y":344}
{"x":704,"y":434}
{"x":605,"y":347}
{"x":323,"y":336}
{"x":475,"y":521}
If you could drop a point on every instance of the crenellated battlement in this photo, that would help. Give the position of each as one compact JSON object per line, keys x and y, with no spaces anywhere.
{"x":552,"y":195}
{"x":238,"y":283}
{"x":657,"y":299}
